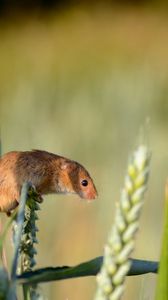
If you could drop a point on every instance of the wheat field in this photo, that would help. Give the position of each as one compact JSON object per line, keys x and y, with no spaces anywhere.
{"x":82,"y":83}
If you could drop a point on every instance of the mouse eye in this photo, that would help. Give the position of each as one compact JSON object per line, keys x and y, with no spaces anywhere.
{"x":84,"y":182}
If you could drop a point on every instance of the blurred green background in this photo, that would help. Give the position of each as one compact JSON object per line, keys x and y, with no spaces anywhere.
{"x":80,"y":81}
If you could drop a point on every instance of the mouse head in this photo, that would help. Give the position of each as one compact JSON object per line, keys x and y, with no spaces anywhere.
{"x":76,"y":179}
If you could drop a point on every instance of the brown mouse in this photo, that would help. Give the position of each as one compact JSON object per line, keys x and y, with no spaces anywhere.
{"x":48,"y":172}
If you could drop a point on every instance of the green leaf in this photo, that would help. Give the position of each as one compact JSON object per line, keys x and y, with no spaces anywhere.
{"x":89,"y":268}
{"x":162,"y":284}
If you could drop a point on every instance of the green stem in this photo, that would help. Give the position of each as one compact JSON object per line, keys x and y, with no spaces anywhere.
{"x":20,"y":220}
{"x":18,"y":234}
{"x":3,"y":236}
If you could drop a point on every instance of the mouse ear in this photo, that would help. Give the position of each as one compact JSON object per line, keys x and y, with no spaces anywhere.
{"x":67,"y":165}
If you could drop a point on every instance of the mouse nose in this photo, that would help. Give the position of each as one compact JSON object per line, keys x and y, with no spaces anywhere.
{"x":91,"y":194}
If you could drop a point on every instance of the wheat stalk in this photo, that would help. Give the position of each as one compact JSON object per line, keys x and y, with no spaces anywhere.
{"x":121,"y":240}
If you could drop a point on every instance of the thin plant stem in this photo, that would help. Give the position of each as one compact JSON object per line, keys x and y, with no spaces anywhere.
{"x":18,"y":234}
{"x":8,"y":225}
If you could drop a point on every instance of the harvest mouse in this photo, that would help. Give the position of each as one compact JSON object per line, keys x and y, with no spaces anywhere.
{"x":48,"y":172}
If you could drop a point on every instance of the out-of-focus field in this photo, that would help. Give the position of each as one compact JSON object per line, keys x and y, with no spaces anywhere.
{"x":82,"y":84}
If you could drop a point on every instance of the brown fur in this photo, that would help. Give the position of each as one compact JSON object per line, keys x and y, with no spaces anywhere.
{"x":48,"y":172}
